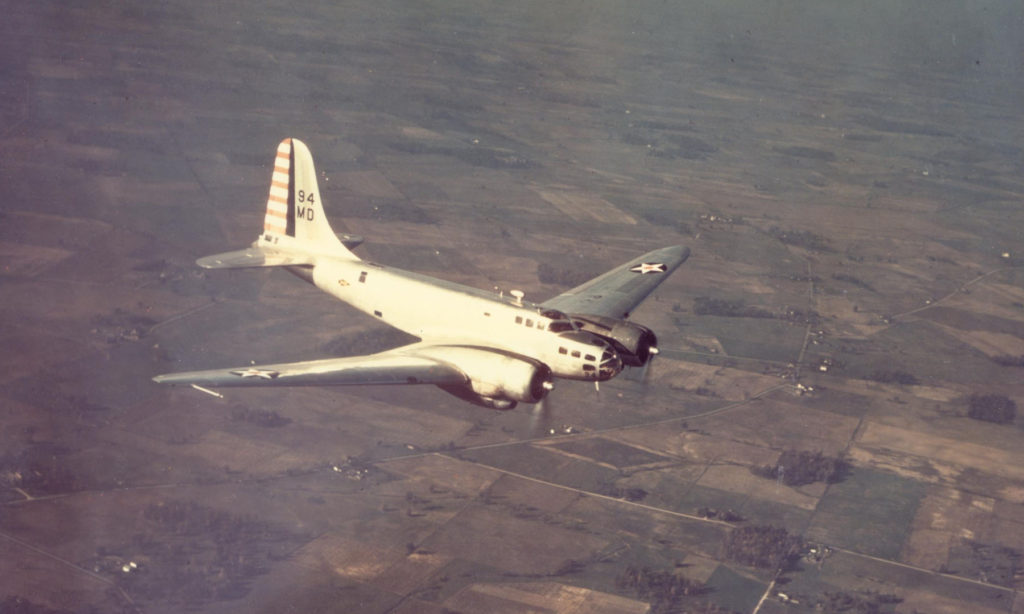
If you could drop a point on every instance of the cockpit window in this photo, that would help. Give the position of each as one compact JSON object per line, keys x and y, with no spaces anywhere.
{"x":590,"y":357}
{"x":560,"y":326}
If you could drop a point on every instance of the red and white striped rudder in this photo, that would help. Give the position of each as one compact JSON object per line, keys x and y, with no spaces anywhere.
{"x":295,"y":214}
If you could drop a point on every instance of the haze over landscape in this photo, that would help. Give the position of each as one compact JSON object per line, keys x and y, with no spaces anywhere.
{"x":830,"y":426}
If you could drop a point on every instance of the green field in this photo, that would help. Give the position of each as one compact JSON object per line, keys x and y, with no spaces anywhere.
{"x":868,"y":512}
{"x":734,"y":591}
{"x":762,"y":338}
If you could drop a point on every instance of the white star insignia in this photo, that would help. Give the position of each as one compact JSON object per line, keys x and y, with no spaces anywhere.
{"x":260,"y":373}
{"x":647,"y":267}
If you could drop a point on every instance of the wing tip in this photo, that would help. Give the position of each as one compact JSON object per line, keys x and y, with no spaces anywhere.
{"x":174,"y":379}
{"x":675,"y":253}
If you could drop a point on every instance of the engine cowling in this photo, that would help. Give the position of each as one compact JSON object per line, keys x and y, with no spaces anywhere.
{"x":497,"y":379}
{"x":633,"y":342}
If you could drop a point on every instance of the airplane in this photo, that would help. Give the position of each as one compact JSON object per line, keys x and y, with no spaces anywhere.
{"x":487,"y":348}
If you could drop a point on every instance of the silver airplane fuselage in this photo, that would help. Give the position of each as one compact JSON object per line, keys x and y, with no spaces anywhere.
{"x":440,"y":311}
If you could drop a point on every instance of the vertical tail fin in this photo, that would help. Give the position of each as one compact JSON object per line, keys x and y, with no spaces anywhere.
{"x":295,"y":214}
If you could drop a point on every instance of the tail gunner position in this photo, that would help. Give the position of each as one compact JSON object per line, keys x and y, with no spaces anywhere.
{"x":485,"y":348}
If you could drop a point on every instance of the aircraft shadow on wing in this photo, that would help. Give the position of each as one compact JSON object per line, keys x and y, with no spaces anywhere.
{"x":488,"y":349}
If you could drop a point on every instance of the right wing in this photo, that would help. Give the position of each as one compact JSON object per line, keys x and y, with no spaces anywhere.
{"x":621,"y":289}
{"x":389,"y":367}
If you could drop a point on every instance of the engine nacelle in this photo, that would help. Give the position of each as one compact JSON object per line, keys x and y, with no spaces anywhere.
{"x":497,"y":379}
{"x":633,"y":342}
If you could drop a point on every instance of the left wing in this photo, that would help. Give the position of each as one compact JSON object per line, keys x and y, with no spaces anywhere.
{"x":390,"y":367}
{"x":618,"y":291}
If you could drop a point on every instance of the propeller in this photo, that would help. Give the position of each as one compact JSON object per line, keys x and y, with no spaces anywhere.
{"x":653,"y":351}
{"x":540,"y":418}
{"x":540,"y":415}
{"x":639,"y":374}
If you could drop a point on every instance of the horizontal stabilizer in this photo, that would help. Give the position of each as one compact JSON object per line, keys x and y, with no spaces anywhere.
{"x":254,"y":257}
{"x":349,"y":241}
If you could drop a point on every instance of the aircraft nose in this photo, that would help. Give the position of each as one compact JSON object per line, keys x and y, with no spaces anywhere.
{"x":611,"y":366}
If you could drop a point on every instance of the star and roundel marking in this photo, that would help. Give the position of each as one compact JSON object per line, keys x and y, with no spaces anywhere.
{"x":647,"y":268}
{"x":260,"y":373}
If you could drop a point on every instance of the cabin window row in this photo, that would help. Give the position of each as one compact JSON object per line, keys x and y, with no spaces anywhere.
{"x":576,"y":354}
{"x":528,"y":322}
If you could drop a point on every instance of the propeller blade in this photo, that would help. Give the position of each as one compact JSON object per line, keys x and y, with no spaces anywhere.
{"x":652,"y":353}
{"x":540,"y":418}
